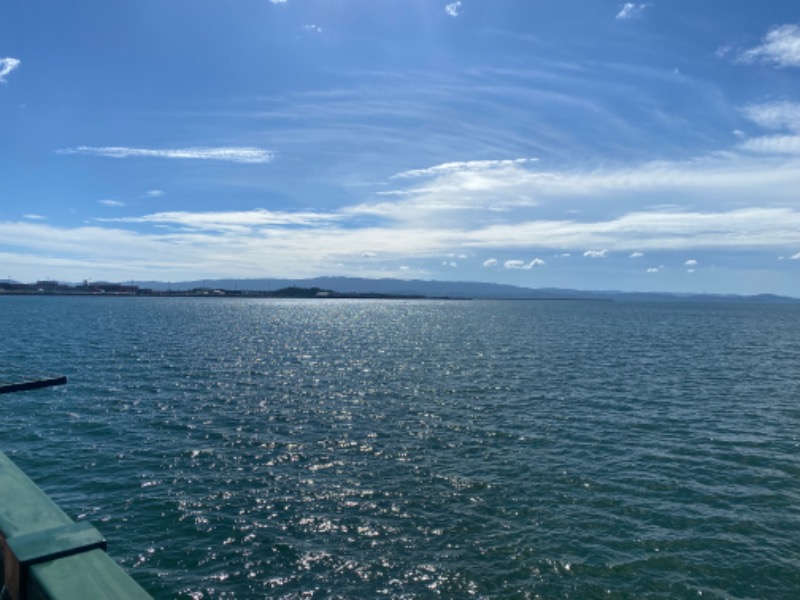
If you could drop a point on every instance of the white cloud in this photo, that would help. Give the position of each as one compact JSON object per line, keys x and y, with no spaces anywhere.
{"x":278,"y":1}
{"x":773,"y":144}
{"x":6,"y":66}
{"x":458,"y":195}
{"x":453,"y":9}
{"x":637,"y":255}
{"x":630,"y":10}
{"x":33,"y":217}
{"x":521,"y":264}
{"x":782,"y":115}
{"x":596,"y":253}
{"x":650,"y":230}
{"x":780,"y":47}
{"x":653,"y":270}
{"x":690,"y":263}
{"x":775,"y":115}
{"x":369,"y":254}
{"x":492,"y":262}
{"x":154,"y":193}
{"x":111,"y":203}
{"x":230,"y":154}
{"x":795,"y":257}
{"x":312,"y":28}
{"x":455,"y":167}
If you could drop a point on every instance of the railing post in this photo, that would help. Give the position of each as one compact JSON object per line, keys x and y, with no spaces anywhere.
{"x":46,"y":555}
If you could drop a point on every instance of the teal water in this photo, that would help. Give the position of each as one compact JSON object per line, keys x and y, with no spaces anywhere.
{"x":418,"y":449}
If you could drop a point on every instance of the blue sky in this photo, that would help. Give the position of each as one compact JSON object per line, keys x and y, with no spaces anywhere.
{"x":586,"y":144}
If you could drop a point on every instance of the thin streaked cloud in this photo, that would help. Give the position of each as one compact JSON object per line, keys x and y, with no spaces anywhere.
{"x":781,"y":114}
{"x":773,"y":144}
{"x":457,"y":167}
{"x":232,"y":219}
{"x":247,"y":155}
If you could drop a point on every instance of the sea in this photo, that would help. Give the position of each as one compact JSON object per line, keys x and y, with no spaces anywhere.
{"x":263,"y":448}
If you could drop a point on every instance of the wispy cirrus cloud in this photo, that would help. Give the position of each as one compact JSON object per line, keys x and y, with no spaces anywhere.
{"x":232,"y":220}
{"x":780,"y":48}
{"x":237,"y":154}
{"x":7,"y":65}
{"x":457,"y":167}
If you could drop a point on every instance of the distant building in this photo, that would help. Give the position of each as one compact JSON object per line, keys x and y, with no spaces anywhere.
{"x":48,"y":285}
{"x":45,"y":284}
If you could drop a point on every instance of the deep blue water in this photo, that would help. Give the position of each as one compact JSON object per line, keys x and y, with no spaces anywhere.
{"x":417,"y":449}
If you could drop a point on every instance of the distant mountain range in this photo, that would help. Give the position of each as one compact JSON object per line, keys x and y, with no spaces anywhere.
{"x":456,"y":289}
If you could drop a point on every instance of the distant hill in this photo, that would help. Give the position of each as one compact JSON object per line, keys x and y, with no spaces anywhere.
{"x":456,"y":289}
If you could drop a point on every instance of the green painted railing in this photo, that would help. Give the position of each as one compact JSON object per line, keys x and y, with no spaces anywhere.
{"x":48,"y":556}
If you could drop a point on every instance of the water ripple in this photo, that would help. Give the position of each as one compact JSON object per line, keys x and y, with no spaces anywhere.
{"x":294,"y":449}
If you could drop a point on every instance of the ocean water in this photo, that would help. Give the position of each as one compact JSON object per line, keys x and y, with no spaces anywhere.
{"x":242,"y":448}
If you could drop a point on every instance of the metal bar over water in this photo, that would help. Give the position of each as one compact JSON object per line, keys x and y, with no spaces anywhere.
{"x":23,"y":386}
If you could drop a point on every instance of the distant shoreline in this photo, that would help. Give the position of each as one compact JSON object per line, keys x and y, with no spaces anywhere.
{"x":324,"y":288}
{"x":285,"y":293}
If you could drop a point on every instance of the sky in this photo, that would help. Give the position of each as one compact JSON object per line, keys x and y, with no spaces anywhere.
{"x":585,"y":144}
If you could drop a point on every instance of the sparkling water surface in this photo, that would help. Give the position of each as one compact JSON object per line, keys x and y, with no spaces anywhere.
{"x":243,"y":448}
